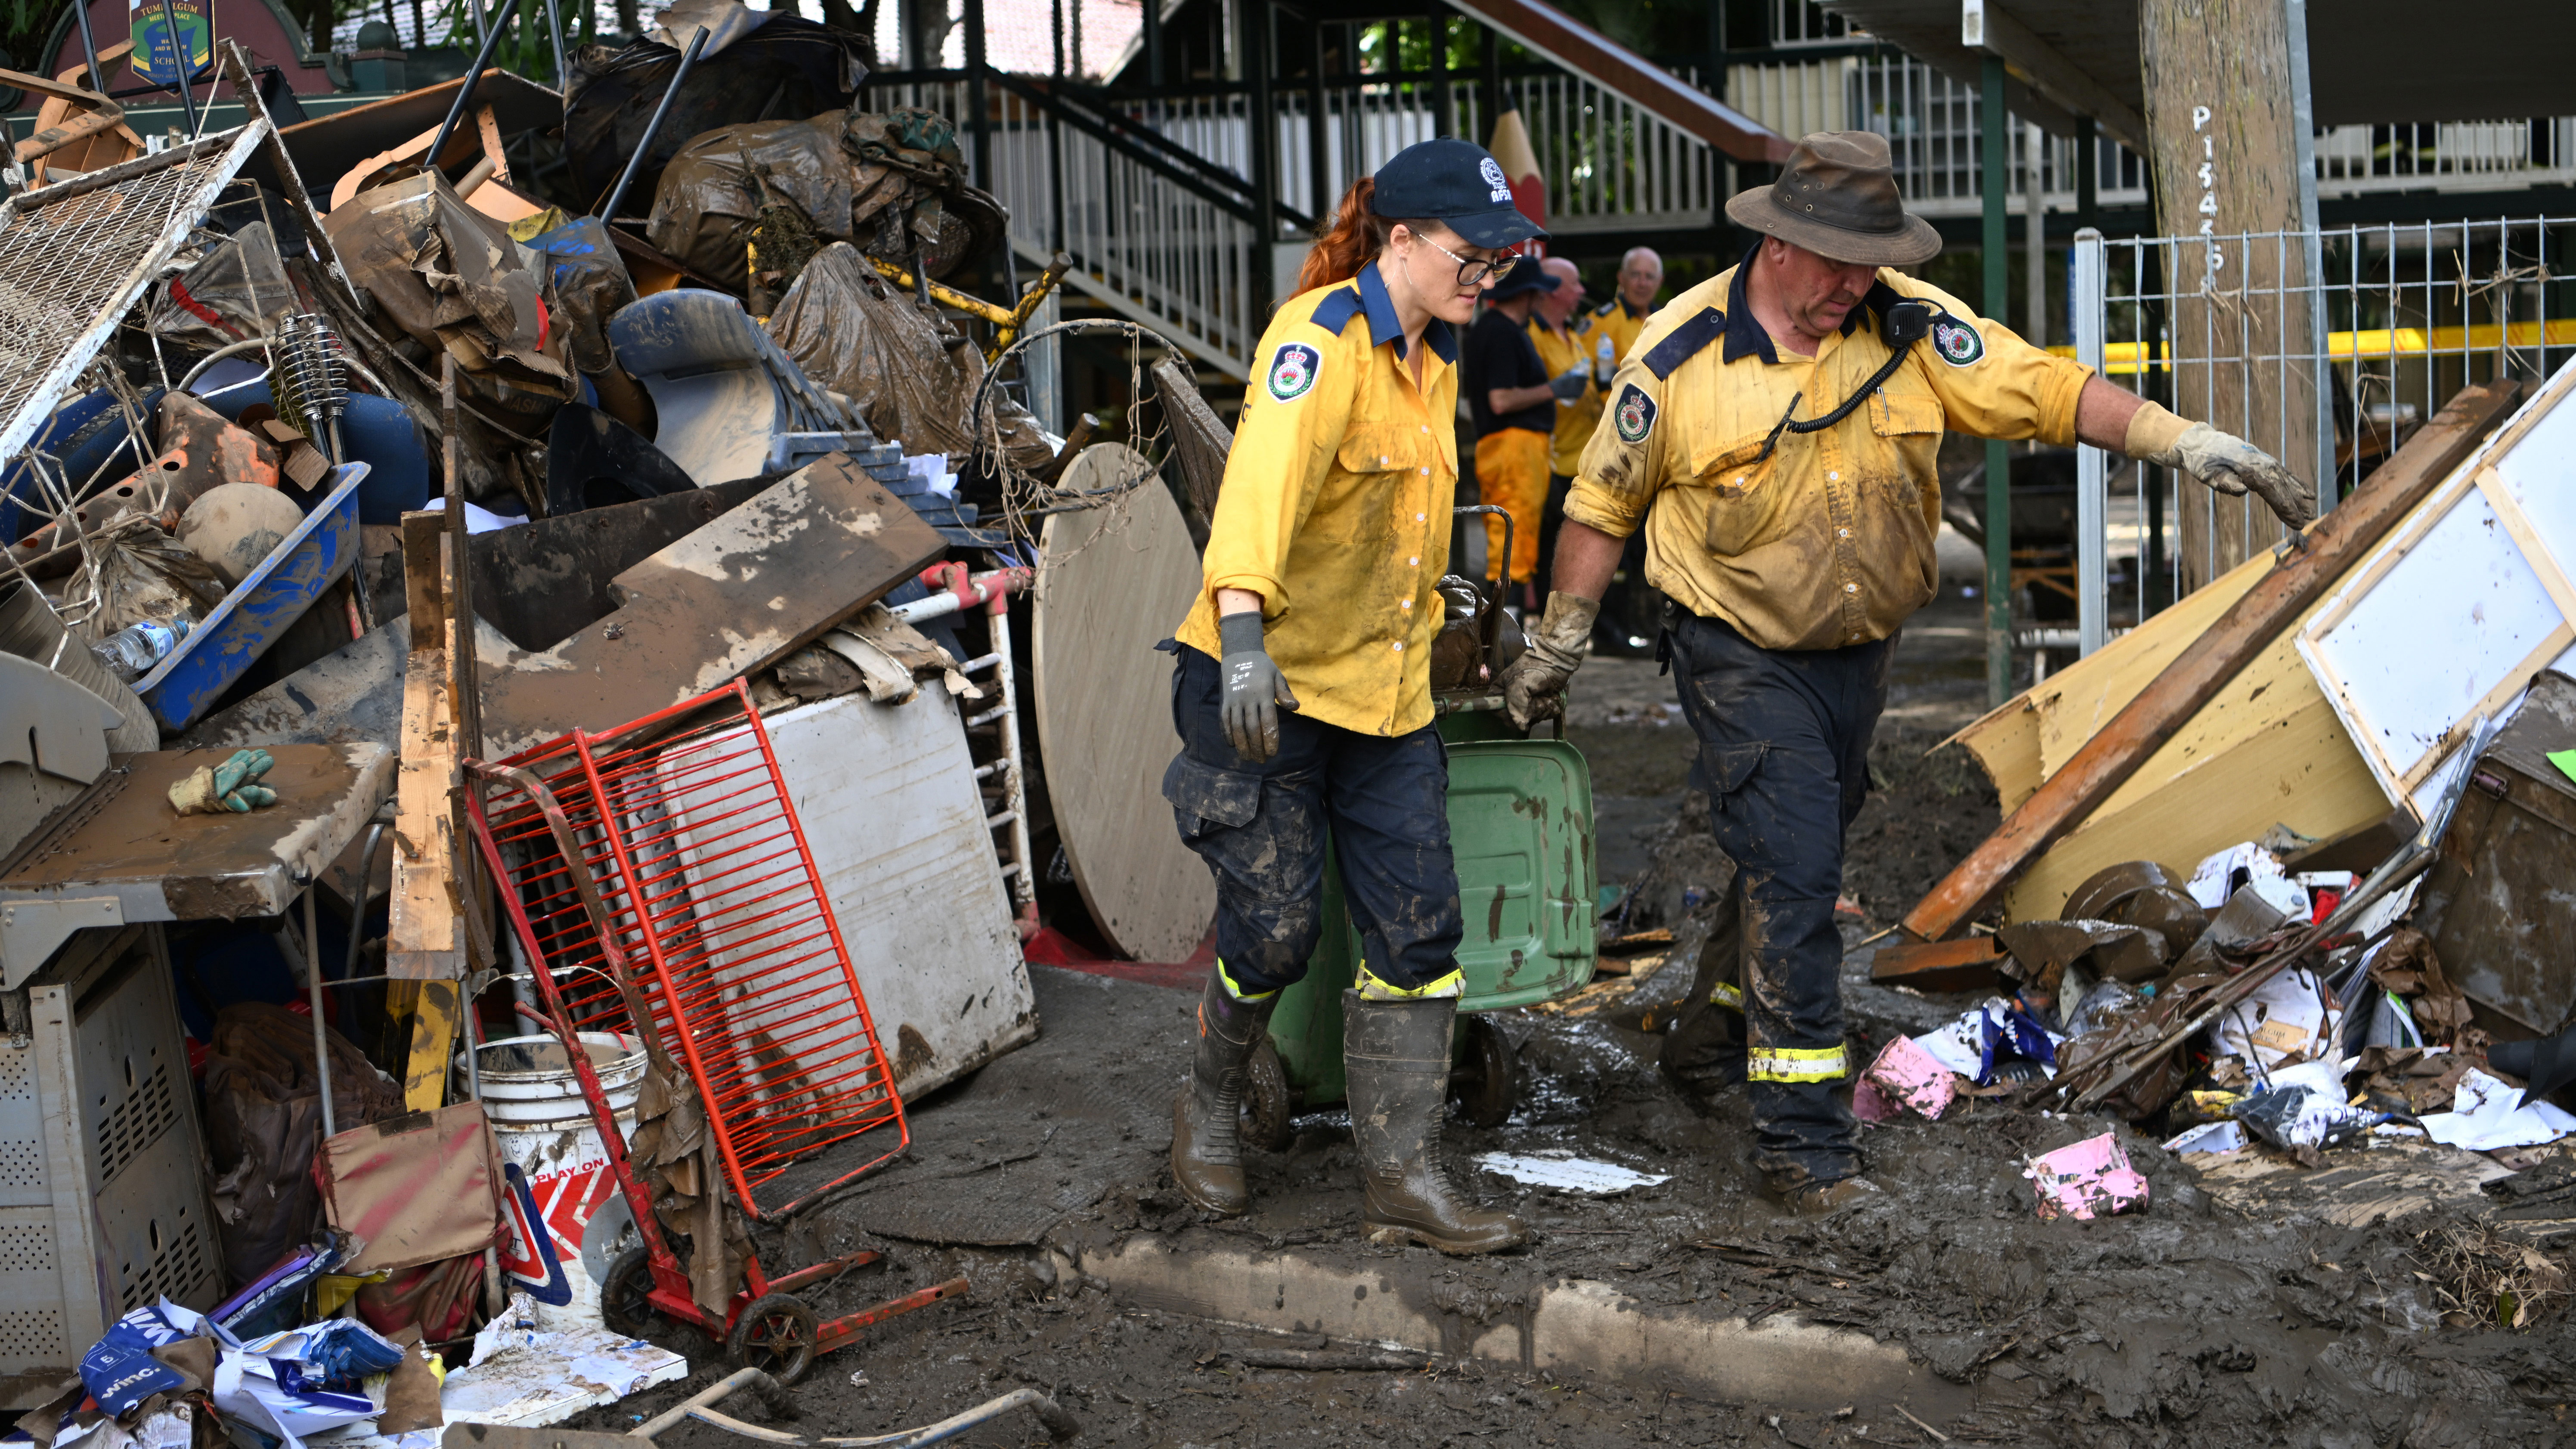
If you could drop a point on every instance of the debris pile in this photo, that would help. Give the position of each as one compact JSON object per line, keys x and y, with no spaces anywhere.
{"x":2365,"y":964}
{"x":489,"y":670}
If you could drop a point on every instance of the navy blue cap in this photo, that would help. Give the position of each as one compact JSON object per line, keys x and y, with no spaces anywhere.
{"x":1524,"y":275}
{"x":1455,"y":182}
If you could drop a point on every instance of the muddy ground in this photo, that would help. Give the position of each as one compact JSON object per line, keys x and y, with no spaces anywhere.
{"x":2216,"y":1318}
{"x":2195,"y":1323}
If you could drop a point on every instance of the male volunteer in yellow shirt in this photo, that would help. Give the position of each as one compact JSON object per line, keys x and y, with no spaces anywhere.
{"x":1569,"y":347}
{"x":1629,"y":608}
{"x":1774,"y":435}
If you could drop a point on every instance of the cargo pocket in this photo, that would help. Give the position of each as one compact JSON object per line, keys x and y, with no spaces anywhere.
{"x":1720,"y":772}
{"x":1205,"y":798}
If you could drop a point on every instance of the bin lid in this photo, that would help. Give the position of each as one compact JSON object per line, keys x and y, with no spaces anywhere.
{"x":1520,"y":827}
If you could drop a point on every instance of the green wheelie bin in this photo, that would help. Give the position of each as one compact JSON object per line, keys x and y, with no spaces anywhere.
{"x":1520,"y":826}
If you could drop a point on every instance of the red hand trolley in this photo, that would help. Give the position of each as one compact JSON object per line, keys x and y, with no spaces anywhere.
{"x":660,"y":885}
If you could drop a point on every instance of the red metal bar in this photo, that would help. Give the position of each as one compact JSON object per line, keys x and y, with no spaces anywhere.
{"x":666,"y":1264}
{"x":841,"y":1330}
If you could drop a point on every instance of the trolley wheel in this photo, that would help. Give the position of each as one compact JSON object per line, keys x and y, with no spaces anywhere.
{"x":777,"y":1333}
{"x":625,"y":1300}
{"x":1484,"y":1082}
{"x":1265,"y":1100}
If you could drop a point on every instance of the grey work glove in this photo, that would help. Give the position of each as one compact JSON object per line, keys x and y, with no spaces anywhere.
{"x":1605,"y":363}
{"x":1569,"y":384}
{"x":2233,"y":466}
{"x":1255,"y":690}
{"x":1534,"y":684}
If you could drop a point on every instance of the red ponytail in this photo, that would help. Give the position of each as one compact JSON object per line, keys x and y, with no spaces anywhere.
{"x":1351,"y":240}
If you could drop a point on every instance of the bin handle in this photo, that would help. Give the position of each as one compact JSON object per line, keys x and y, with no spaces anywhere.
{"x":1493,"y":625}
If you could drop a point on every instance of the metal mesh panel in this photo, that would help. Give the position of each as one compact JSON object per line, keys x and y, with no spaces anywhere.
{"x":70,"y":262}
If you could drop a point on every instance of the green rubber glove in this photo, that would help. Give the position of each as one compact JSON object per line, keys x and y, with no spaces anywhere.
{"x":1255,"y":690}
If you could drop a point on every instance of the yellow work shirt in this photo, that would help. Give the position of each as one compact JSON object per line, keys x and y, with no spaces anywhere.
{"x":1335,"y":507}
{"x":1621,"y":324}
{"x":1829,"y":540}
{"x":1574,"y":420}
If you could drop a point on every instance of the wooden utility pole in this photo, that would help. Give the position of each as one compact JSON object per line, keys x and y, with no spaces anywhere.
{"x":2225,"y":142}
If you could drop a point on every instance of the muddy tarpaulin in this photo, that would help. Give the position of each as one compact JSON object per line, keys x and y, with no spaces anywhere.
{"x":451,"y":278}
{"x":788,"y":67}
{"x":263,"y":1116}
{"x":585,"y":283}
{"x":711,"y":192}
{"x":910,"y":374}
{"x":237,"y":290}
{"x":417,"y":1189}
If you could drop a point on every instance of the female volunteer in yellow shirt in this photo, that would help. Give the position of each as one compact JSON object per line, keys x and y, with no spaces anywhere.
{"x":1303,"y":691}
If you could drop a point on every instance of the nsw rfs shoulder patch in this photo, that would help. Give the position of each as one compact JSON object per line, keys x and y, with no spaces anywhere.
{"x":1635,"y":414}
{"x":1292,"y":370}
{"x":1956,"y":341}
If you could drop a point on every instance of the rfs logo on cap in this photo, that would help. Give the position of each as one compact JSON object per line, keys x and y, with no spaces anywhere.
{"x":1492,"y":170}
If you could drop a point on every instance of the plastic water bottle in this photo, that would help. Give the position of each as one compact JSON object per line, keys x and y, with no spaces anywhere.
{"x":133,"y":651}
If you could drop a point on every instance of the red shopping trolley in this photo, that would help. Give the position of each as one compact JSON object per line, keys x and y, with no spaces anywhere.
{"x":659,"y":882}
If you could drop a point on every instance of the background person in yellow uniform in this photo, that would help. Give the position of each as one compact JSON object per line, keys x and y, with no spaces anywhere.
{"x":1512,"y":399}
{"x":1560,"y":327}
{"x":1303,"y":688}
{"x":1775,"y":436}
{"x":1641,"y":279}
{"x":1631,"y":610}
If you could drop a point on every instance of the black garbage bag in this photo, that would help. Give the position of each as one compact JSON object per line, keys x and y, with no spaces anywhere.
{"x":788,"y":69}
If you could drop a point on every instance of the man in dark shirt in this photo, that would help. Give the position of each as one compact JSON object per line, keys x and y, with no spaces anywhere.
{"x":1513,"y":402}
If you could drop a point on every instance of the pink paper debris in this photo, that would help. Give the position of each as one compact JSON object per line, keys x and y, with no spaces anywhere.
{"x":1870,"y":1104}
{"x":1909,"y":1075}
{"x":2090,"y":1179}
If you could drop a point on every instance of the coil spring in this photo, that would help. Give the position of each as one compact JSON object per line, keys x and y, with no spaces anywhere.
{"x":311,"y":380}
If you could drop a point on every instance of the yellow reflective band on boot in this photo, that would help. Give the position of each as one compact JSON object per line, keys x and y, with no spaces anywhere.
{"x":1726,"y":993}
{"x":1237,"y":992}
{"x":1372,"y":989}
{"x":1795,"y":1064}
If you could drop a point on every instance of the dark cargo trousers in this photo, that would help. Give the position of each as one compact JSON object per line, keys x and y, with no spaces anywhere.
{"x":1262,"y":830}
{"x":1784,"y":758}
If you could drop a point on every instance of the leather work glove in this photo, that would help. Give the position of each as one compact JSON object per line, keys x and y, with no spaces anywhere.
{"x":231,"y":787}
{"x":1255,"y":690}
{"x":1534,"y":684}
{"x":1605,"y":363}
{"x":2224,"y":462}
{"x":1569,"y":384}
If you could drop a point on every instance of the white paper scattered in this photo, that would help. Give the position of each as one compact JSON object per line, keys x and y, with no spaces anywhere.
{"x":2210,"y":1137}
{"x":617,"y":1375}
{"x":2486,"y":1114}
{"x":2209,"y":882}
{"x":2285,"y":1016}
{"x":2385,"y":912}
{"x":477,"y":519}
{"x":1568,"y":1173}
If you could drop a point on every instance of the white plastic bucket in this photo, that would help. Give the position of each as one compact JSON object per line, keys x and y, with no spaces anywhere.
{"x":541,"y":1122}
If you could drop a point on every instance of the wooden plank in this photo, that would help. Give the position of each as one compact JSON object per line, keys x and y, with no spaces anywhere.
{"x":2222,"y":134}
{"x":2107,"y":760}
{"x":757,"y":584}
{"x":424,"y":939}
{"x":2299,"y":770}
{"x":2031,"y":736}
{"x":1967,"y":964}
{"x":1111,"y":582}
{"x":2075,"y":702}
{"x":2004,"y":742}
{"x":433,"y":1009}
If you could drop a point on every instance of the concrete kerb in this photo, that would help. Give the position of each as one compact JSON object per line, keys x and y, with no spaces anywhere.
{"x":1565,"y":1325}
